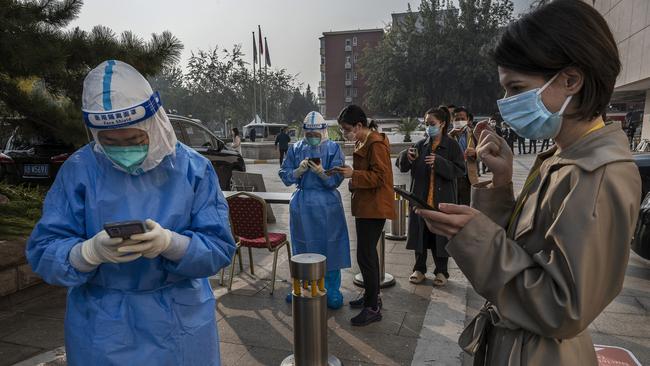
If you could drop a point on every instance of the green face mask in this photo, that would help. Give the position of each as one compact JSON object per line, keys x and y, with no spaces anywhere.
{"x":313,"y":141}
{"x":128,"y":158}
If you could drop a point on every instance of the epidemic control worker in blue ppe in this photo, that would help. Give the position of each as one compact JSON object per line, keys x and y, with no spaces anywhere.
{"x":317,"y":219}
{"x":144,"y":300}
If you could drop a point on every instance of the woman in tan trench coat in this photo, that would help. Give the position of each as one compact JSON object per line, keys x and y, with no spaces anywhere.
{"x":549,"y":262}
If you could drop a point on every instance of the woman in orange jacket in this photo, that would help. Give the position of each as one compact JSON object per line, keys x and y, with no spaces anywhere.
{"x":371,"y":184}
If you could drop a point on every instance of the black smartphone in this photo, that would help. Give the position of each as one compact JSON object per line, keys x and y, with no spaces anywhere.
{"x":415,"y":202}
{"x":315,"y":160}
{"x":124,"y":229}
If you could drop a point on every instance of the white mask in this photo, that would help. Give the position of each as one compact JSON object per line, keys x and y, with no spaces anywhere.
{"x":460,"y":124}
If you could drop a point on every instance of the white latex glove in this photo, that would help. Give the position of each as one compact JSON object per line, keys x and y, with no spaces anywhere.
{"x":318,"y":169}
{"x":101,"y":248}
{"x":151,"y":243}
{"x":301,"y":169}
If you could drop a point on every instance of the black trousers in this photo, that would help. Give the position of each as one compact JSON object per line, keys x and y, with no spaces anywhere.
{"x":368,"y":233}
{"x":283,"y":152}
{"x":429,"y":243}
{"x":521,"y":142}
{"x":532,"y":146}
{"x":464,"y":190}
{"x":545,"y":144}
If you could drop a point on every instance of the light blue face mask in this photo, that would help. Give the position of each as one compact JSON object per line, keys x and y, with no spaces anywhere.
{"x":433,"y":130}
{"x":313,"y":141}
{"x":128,"y":158}
{"x":527,"y":115}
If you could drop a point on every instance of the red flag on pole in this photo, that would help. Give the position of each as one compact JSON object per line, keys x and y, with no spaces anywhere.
{"x":268,"y":56}
{"x":254,"y":50}
{"x":259,"y":33}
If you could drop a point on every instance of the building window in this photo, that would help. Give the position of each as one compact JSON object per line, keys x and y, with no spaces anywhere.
{"x":347,"y":59}
{"x":348,"y":75}
{"x":322,"y":110}
{"x":354,"y":41}
{"x":322,"y":43}
{"x":322,"y":76}
{"x":322,"y":60}
{"x":348,"y":92}
{"x":356,"y":76}
{"x":354,"y":92}
{"x":356,"y":58}
{"x":347,"y":42}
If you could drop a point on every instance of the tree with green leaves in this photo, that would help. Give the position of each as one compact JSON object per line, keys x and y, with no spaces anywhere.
{"x":43,"y":65}
{"x":437,"y":55}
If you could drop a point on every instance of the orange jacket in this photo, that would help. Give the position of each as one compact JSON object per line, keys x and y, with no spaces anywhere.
{"x":372,"y":181}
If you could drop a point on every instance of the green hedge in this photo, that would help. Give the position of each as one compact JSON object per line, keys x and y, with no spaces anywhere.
{"x":18,"y":217}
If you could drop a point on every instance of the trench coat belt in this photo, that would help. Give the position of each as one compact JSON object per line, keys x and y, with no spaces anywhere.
{"x":473,"y":339}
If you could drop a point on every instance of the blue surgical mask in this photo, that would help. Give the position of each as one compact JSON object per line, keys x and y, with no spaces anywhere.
{"x":128,"y":158}
{"x":528,"y":116}
{"x":313,"y":141}
{"x":433,"y":130}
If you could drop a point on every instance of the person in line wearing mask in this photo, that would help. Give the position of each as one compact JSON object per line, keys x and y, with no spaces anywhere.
{"x":435,"y":163}
{"x":144,"y":300}
{"x":551,"y":261}
{"x":462,"y":133}
{"x":371,"y":184}
{"x":317,"y":219}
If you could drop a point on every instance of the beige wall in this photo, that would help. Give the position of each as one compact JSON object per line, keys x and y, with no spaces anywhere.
{"x":629,"y":20}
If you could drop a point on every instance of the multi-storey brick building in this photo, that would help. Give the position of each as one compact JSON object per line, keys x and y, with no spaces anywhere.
{"x":341,"y":81}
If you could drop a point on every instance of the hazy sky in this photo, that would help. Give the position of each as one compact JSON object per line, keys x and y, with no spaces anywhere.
{"x":291,"y":26}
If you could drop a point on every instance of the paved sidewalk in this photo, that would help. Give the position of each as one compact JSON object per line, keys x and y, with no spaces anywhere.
{"x":420,"y":326}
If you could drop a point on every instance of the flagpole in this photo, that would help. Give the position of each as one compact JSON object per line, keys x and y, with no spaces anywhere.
{"x":266,"y":96}
{"x":262,"y":80}
{"x":254,"y":79}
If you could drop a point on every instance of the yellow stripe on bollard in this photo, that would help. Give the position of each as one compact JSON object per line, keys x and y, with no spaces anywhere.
{"x":314,"y":289}
{"x":321,"y":285}
{"x":296,"y":287}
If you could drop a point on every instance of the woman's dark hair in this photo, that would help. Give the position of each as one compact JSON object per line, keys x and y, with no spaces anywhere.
{"x":442,"y":114}
{"x":561,"y":34}
{"x":353,"y":114}
{"x":235,"y":131}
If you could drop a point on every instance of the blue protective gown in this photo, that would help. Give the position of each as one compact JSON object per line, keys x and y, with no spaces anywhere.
{"x":148,"y":311}
{"x":317,"y":219}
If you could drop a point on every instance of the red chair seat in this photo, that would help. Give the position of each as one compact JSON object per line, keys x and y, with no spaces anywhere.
{"x":276,"y":239}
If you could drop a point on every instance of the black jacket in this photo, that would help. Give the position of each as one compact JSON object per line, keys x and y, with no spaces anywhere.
{"x":282,"y":140}
{"x":449,"y":165}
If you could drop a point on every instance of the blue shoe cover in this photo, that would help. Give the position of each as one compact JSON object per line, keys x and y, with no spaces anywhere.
{"x":334,"y":299}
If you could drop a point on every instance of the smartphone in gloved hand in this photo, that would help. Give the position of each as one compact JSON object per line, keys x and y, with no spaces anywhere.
{"x":315,"y":160}
{"x":124,"y":229}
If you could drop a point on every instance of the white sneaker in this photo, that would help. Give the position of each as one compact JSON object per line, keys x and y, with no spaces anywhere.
{"x":417,"y":277}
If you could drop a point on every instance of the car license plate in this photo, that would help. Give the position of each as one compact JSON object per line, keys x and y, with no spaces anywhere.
{"x":36,"y":170}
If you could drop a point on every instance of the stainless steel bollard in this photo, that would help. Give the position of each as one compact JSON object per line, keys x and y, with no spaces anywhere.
{"x":398,"y":226}
{"x":309,"y":312}
{"x":385,"y":279}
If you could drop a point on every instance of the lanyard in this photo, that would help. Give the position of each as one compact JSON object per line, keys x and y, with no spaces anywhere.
{"x":532,"y":177}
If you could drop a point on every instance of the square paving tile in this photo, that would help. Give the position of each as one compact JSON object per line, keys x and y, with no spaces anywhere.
{"x":50,"y":305}
{"x":43,"y":333}
{"x":12,"y":353}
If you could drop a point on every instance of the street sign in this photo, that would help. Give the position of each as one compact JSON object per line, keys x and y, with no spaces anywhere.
{"x":615,"y":356}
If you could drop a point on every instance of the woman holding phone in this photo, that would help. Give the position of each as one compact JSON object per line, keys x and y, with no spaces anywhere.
{"x":549,"y":262}
{"x":371,"y":184}
{"x":317,"y":218}
{"x":435,"y":163}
